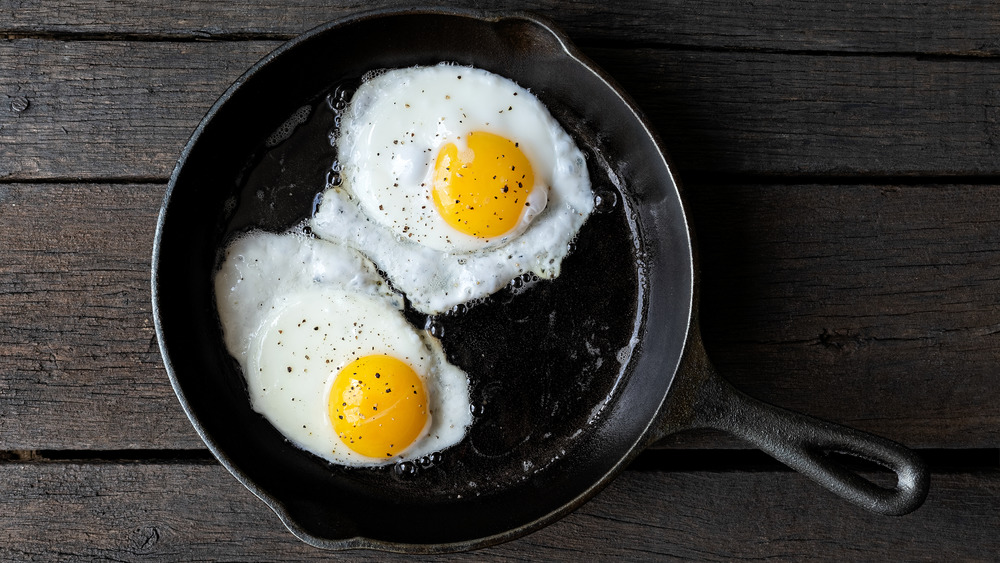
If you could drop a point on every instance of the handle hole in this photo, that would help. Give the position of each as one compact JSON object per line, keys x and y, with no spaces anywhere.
{"x":872,"y":471}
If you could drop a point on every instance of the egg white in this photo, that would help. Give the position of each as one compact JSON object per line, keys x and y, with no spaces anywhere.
{"x":390,"y":136}
{"x":295,"y":310}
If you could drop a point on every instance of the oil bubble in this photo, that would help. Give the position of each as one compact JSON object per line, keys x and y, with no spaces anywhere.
{"x":373,"y":74}
{"x":405,"y":469}
{"x":285,"y":130}
{"x":523,"y":283}
{"x":333,"y":176}
{"x":605,"y":201}
{"x":317,"y":201}
{"x":337,"y":99}
{"x":434,"y":327}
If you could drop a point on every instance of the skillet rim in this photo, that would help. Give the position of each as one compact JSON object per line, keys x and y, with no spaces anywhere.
{"x":643,"y":439}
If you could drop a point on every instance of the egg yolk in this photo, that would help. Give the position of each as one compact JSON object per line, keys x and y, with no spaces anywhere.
{"x":378,"y":406}
{"x":482,"y":190}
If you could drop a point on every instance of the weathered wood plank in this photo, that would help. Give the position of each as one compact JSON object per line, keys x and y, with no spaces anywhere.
{"x":79,"y":363}
{"x":872,"y":306}
{"x":844,"y":115}
{"x":102,"y":110}
{"x":112,"y":110}
{"x":918,"y":27}
{"x":63,"y":512}
{"x":882,"y":301}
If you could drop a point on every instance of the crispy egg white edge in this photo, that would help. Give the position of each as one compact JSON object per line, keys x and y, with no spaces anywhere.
{"x":397,"y":122}
{"x":250,"y":297}
{"x":437,"y":280}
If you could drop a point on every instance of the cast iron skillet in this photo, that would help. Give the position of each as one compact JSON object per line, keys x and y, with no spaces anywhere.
{"x":571,"y":378}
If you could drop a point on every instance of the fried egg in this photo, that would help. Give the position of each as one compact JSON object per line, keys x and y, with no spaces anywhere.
{"x":454,"y":181}
{"x":329,"y":358}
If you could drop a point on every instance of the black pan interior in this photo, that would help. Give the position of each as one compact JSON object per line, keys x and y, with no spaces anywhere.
{"x":557,"y":412}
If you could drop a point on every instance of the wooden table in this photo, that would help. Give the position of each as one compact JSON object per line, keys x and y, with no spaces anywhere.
{"x":841,"y":163}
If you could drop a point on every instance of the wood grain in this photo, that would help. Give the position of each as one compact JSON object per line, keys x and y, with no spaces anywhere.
{"x":64,"y":118}
{"x":872,"y":306}
{"x":796,"y":114}
{"x":157,"y":512}
{"x":881,"y":301}
{"x":79,"y":363}
{"x":840,"y":163}
{"x":127,"y":117}
{"x":940,"y":27}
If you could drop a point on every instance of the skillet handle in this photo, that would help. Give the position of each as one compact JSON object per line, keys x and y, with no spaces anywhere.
{"x":801,"y":442}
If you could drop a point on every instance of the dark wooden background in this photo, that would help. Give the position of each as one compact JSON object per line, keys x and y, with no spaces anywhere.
{"x":841,"y":161}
